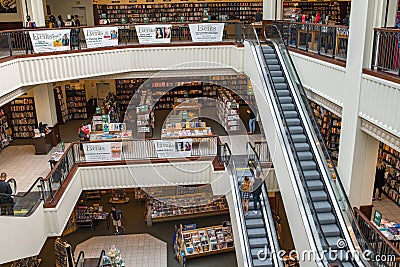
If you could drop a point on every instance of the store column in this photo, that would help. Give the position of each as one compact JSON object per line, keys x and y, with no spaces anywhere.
{"x":45,"y":104}
{"x":36,"y":11}
{"x":272,"y":9}
{"x":358,"y":151}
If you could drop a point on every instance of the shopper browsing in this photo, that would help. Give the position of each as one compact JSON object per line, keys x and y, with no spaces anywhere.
{"x":5,"y":190}
{"x":379,"y":180}
{"x":246,"y":194}
{"x":252,"y":121}
{"x":116,"y":216}
{"x":258,"y":181}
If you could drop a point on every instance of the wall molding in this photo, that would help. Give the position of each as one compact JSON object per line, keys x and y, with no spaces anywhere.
{"x":380,"y":133}
{"x":315,"y":96}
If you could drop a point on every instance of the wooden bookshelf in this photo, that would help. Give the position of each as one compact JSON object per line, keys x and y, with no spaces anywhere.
{"x":61,"y":107}
{"x":173,"y":11}
{"x":5,"y":130}
{"x":391,"y":158}
{"x":23,"y":117}
{"x":125,"y":90}
{"x":76,"y":101}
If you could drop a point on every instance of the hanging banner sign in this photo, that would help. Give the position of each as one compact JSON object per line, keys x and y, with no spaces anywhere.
{"x":154,"y":34}
{"x":101,"y":36}
{"x":207,"y":32}
{"x":50,"y":40}
{"x":107,"y":151}
{"x":173,"y":148}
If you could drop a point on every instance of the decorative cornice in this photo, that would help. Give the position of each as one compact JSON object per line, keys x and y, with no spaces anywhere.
{"x":14,"y":94}
{"x":323,"y":101}
{"x":381,"y":134}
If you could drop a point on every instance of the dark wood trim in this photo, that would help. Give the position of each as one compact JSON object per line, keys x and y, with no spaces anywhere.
{"x":372,"y":226}
{"x":382,"y":75}
{"x":338,"y":62}
{"x":387,"y":30}
{"x":217,"y":166}
{"x":367,"y":210}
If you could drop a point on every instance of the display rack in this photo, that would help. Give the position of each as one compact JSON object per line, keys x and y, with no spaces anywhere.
{"x":228,"y":111}
{"x":94,"y":194}
{"x":5,"y":130}
{"x":71,"y":225}
{"x":330,"y":126}
{"x":178,"y":12}
{"x":76,"y":101}
{"x":118,"y":196}
{"x":203,"y":242}
{"x":23,"y":117}
{"x":185,"y":206}
{"x":391,"y":158}
{"x":145,"y":115}
{"x":63,"y":252}
{"x":125,"y":90}
{"x":61,"y":107}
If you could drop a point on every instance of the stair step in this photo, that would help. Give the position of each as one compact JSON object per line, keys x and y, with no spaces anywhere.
{"x":267,"y":49}
{"x":269,"y":56}
{"x":262,"y":263}
{"x":330,"y":230}
{"x":285,"y":99}
{"x":260,"y":252}
{"x":251,"y":214}
{"x":287,"y":107}
{"x":311,"y":175}
{"x":278,"y":79}
{"x":308,"y":165}
{"x":259,"y":242}
{"x":322,"y":206}
{"x":256,"y":232}
{"x":254,"y":223}
{"x":301,"y":146}
{"x":318,"y":195}
{"x":276,"y":73}
{"x":333,"y":241}
{"x":274,"y":67}
{"x":281,"y":86}
{"x":283,"y":93}
{"x":243,"y":173}
{"x":272,"y":61}
{"x":314,"y":185}
{"x":293,"y":122}
{"x":299,"y":138}
{"x":326,"y":218}
{"x":296,"y":130}
{"x":305,"y":155}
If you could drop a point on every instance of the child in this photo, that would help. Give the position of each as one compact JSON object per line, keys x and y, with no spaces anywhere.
{"x":246,"y":194}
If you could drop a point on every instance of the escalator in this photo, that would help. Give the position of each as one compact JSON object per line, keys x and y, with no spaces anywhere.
{"x":257,"y":232}
{"x":331,"y":229}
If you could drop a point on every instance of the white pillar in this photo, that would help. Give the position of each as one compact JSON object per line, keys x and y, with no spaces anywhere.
{"x":272,"y":9}
{"x":45,"y":104}
{"x":35,"y":10}
{"x":357,"y":150}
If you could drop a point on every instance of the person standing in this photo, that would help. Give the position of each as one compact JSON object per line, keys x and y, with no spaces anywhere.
{"x":5,"y":189}
{"x":77,"y":21}
{"x":252,"y":121}
{"x":245,"y":194}
{"x":258,"y":181}
{"x":116,"y":216}
{"x":258,"y":16}
{"x":379,"y":180}
{"x":60,"y":22}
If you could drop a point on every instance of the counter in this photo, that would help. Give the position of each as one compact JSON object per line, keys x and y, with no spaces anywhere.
{"x":43,"y":144}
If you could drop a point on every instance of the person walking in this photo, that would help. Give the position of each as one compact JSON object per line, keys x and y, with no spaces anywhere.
{"x":379,"y":180}
{"x":116,"y":216}
{"x":5,"y":196}
{"x":252,"y":121}
{"x":258,"y":181}
{"x":245,"y":194}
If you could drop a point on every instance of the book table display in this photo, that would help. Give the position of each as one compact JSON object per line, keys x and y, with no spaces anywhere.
{"x":113,"y":258}
{"x":185,"y":206}
{"x":203,"y":242}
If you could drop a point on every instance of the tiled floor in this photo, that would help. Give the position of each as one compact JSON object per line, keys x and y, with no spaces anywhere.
{"x":139,"y":250}
{"x":389,"y":209}
{"x":21,"y":163}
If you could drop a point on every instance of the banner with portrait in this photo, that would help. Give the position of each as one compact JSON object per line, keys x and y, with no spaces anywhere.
{"x":154,"y":34}
{"x":106,"y":151}
{"x":179,"y":148}
{"x":207,"y":32}
{"x":50,"y":40}
{"x":101,"y":36}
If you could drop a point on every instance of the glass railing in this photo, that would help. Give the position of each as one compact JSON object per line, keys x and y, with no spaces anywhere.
{"x":340,"y":194}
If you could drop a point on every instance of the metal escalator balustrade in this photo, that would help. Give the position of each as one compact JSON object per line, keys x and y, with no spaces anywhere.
{"x":256,"y":227}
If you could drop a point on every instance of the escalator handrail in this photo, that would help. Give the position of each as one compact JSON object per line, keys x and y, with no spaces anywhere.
{"x":81,"y":254}
{"x":14,"y":182}
{"x":322,"y":143}
{"x":100,"y":262}
{"x":27,"y":192}
{"x":311,"y":233}
{"x":274,"y":243}
{"x":230,"y":163}
{"x":299,"y":169}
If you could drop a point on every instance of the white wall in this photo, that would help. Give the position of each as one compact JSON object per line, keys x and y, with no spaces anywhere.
{"x":45,"y":104}
{"x":63,"y":8}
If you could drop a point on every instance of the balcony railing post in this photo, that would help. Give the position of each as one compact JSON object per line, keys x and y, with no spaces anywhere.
{"x":334,"y":43}
{"x":319,"y":39}
{"x":373,"y":58}
{"x":9,"y":43}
